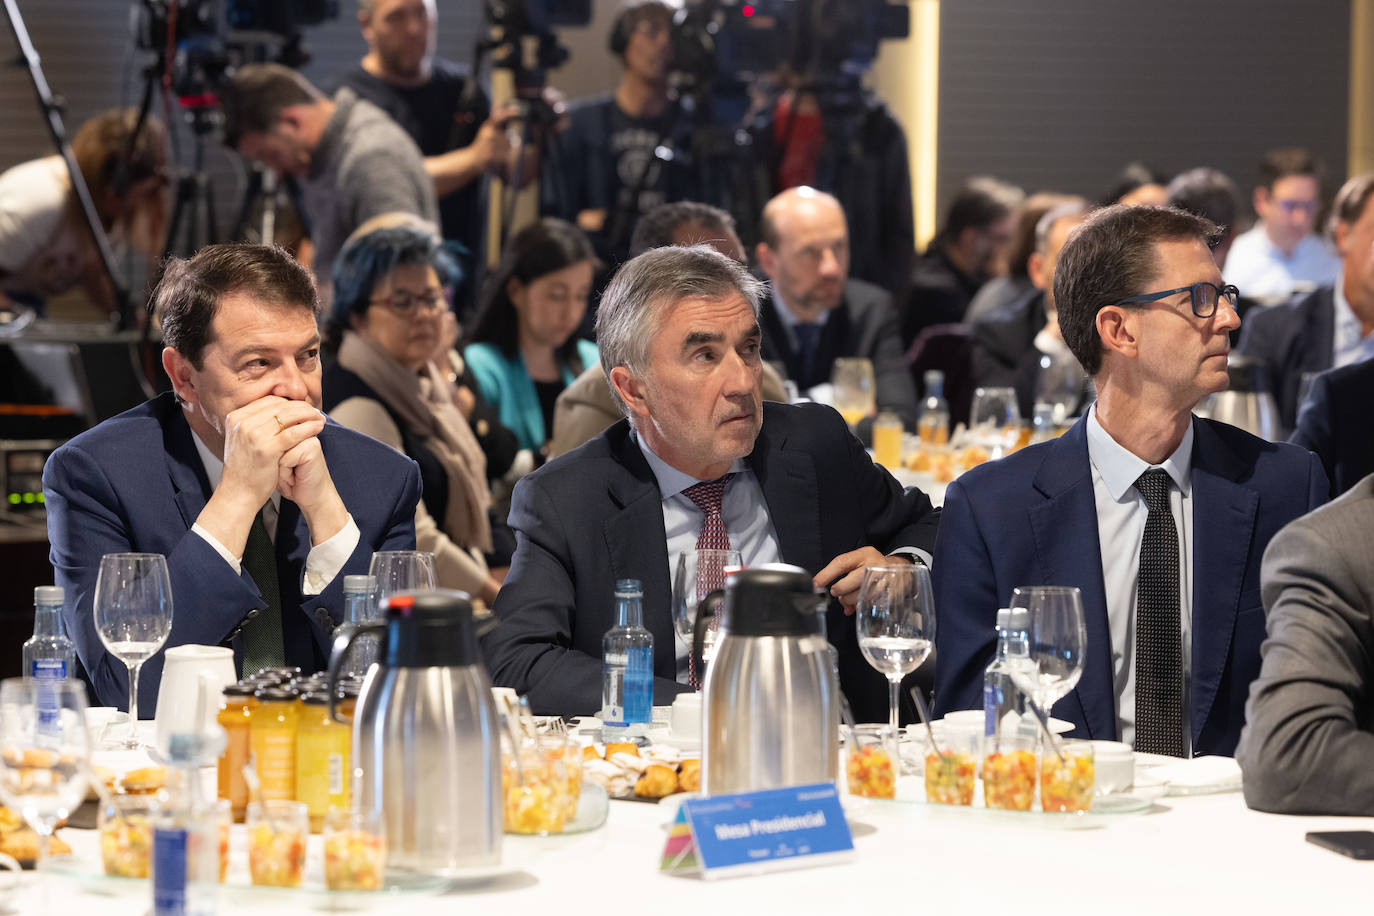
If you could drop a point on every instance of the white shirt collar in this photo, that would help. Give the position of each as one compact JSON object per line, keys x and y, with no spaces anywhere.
{"x":671,"y":481}
{"x":788,"y":317}
{"x":1120,"y":468}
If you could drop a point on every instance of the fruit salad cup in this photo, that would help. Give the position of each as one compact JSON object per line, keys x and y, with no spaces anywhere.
{"x":126,"y":835}
{"x":1009,"y":773}
{"x":1067,"y":785}
{"x":354,"y":850}
{"x":276,"y":846}
{"x":868,"y":763}
{"x":536,"y":791}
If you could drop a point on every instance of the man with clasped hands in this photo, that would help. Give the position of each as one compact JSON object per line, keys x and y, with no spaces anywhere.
{"x":679,"y":337}
{"x":1160,"y":518}
{"x":260,"y":503}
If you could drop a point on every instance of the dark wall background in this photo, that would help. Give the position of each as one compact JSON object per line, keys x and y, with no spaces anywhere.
{"x":1061,"y":94}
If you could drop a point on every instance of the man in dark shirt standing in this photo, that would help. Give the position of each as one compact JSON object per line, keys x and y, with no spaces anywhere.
{"x":626,"y":153}
{"x":444,"y":110}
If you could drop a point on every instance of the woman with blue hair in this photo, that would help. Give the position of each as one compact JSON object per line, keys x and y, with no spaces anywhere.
{"x":523,"y":349}
{"x":391,"y":325}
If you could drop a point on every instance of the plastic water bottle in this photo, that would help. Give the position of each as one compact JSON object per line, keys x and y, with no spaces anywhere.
{"x":48,"y":655}
{"x":360,"y":606}
{"x":185,"y":863}
{"x":934,"y":423}
{"x":1003,"y":702}
{"x":627,"y":674}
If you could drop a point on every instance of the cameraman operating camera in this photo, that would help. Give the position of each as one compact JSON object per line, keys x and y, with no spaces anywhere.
{"x":609,"y":170}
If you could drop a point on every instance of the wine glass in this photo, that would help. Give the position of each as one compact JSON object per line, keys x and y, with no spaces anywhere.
{"x":133,"y":615}
{"x":401,"y":571}
{"x":43,"y":754}
{"x":851,"y":379}
{"x":1058,"y":642}
{"x":995,"y":420}
{"x":896,"y":623}
{"x":695,"y":575}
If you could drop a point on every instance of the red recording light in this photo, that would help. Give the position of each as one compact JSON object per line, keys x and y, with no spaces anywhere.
{"x":747,"y":10}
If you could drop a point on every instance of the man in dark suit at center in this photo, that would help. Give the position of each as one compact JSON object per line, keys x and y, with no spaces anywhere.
{"x":679,"y":338}
{"x":1159,"y":518}
{"x":816,"y":314}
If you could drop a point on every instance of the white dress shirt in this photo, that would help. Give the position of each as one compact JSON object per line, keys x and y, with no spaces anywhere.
{"x":322,"y":563}
{"x":1121,"y":514}
{"x":742,"y":509}
{"x":1262,"y":271}
{"x":1348,"y":341}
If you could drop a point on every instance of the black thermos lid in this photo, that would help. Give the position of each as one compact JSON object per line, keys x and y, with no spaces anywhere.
{"x":773,"y":600}
{"x":430,"y":629}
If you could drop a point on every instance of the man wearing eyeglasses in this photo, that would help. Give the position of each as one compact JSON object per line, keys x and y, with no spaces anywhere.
{"x":1333,"y":326}
{"x":1281,"y":255}
{"x":1158,"y":517}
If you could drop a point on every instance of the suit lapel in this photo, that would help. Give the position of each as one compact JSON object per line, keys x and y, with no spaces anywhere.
{"x":292,"y":547}
{"x":635,"y":539}
{"x":190,"y":484}
{"x":1068,"y":552}
{"x":833,"y":343}
{"x":790,"y":490}
{"x":1224,"y":515}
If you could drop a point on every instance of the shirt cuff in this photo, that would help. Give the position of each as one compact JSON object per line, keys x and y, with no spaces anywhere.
{"x":325,"y":560}
{"x":925,"y":558}
{"x":207,"y":537}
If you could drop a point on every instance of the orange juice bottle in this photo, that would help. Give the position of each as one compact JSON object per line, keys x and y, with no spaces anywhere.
{"x":322,"y":759}
{"x":235,"y":715}
{"x":272,"y":737}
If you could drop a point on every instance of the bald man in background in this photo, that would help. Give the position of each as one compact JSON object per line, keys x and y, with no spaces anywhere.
{"x":816,"y":313}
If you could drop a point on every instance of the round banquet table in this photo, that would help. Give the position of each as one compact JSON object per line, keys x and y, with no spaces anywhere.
{"x":1200,"y":854}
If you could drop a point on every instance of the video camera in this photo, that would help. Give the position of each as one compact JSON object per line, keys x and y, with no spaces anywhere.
{"x":727,"y":44}
{"x":207,"y":43}
{"x":512,"y":22}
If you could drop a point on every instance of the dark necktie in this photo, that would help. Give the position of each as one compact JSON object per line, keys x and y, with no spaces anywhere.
{"x":808,"y":342}
{"x":713,"y":536}
{"x":1158,"y":643}
{"x":262,"y":637}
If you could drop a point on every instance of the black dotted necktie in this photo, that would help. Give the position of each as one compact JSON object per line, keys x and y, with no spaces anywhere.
{"x":1158,"y":643}
{"x":262,"y":636}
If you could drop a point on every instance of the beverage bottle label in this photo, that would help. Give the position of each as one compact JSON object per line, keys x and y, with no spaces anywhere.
{"x":51,"y":669}
{"x":169,"y":872}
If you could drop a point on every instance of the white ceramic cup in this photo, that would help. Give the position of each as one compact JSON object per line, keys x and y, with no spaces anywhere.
{"x":1115,"y":766}
{"x":187,"y":671}
{"x":684,"y":721}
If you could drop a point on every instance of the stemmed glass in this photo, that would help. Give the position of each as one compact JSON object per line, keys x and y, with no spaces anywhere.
{"x":995,"y":420}
{"x":43,"y":754}
{"x":854,"y":391}
{"x":695,"y":575}
{"x":401,"y":571}
{"x":1058,"y":641}
{"x":133,"y":615}
{"x":896,"y":623}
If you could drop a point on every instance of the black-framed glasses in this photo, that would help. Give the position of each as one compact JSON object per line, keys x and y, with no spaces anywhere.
{"x":1204,"y":295}
{"x":405,"y":304}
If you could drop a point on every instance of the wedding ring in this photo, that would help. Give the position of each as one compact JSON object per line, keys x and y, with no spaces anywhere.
{"x":280,"y":425}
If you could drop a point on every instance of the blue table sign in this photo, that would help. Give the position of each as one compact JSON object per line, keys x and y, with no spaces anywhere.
{"x":754,"y":832}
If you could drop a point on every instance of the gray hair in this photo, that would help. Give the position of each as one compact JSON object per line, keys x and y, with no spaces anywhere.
{"x":1045,"y":225}
{"x":636,"y":303}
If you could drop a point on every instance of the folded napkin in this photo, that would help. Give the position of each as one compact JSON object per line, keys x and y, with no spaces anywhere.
{"x":1200,"y":774}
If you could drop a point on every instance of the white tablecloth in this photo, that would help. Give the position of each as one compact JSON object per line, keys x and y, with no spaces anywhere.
{"x":1205,"y":854}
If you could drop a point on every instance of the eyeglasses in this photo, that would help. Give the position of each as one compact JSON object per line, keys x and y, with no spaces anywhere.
{"x":405,"y":304}
{"x":1296,"y":206}
{"x":1204,"y":297}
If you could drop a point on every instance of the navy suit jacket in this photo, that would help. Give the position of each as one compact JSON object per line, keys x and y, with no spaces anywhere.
{"x":595,"y":515}
{"x":136,"y":483}
{"x":1291,"y":339}
{"x":1336,"y":422}
{"x":1031,"y":519}
{"x":863,"y":324}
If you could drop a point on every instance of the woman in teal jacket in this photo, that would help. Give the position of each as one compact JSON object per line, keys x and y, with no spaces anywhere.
{"x":523,"y":349}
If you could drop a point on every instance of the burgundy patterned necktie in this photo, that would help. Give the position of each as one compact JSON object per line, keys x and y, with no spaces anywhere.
{"x":707,"y":495}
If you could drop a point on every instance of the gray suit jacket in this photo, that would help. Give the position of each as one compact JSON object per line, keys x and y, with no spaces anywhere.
{"x":1308,"y":743}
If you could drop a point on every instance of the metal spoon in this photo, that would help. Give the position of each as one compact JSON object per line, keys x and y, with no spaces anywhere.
{"x":925,"y":720}
{"x":1045,"y":727}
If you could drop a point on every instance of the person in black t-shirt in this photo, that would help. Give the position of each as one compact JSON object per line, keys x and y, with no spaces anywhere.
{"x":609,"y":167}
{"x":445,"y":110}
